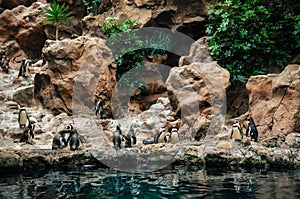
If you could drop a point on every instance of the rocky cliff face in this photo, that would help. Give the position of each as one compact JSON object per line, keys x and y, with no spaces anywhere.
{"x":85,"y":62}
{"x":274,"y":101}
{"x":21,"y":32}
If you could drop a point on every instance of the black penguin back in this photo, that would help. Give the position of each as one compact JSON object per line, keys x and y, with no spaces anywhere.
{"x":74,"y":140}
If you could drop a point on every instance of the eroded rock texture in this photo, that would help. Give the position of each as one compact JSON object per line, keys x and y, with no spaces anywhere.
{"x":21,"y":32}
{"x":197,"y":94}
{"x":274,"y":101}
{"x":188,"y":18}
{"x":78,"y":72}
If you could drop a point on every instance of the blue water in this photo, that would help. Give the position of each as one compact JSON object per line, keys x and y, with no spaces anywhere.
{"x":171,"y":182}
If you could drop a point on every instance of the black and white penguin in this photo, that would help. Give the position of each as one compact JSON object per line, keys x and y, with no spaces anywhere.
{"x":5,"y":64}
{"x":74,"y":138}
{"x":160,"y":137}
{"x":251,"y":129}
{"x":100,"y":110}
{"x":28,"y":134}
{"x":236,"y":131}
{"x":174,"y":137}
{"x":23,"y":118}
{"x":59,"y":141}
{"x":130,"y":138}
{"x":23,"y":67}
{"x":118,"y":137}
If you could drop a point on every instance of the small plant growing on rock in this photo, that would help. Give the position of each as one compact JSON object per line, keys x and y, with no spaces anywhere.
{"x":56,"y":14}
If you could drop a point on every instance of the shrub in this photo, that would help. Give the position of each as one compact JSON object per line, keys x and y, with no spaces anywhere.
{"x":56,"y":14}
{"x":128,"y":48}
{"x":123,"y":47}
{"x":249,"y":36}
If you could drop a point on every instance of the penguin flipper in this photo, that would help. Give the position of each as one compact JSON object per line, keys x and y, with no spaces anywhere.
{"x":82,"y":139}
{"x":231,"y":134}
{"x":134,"y":140}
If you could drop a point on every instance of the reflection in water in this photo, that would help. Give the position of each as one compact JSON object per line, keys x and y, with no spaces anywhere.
{"x":170,"y":182}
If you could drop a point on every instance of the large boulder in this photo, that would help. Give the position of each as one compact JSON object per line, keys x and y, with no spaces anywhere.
{"x":197,"y":95}
{"x":79,"y":71}
{"x":21,"y":32}
{"x":274,"y":101}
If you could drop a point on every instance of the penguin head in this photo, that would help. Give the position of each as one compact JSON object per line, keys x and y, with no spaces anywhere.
{"x":99,"y":102}
{"x":118,"y":127}
{"x":69,"y":127}
{"x":174,"y":129}
{"x":250,"y":119}
{"x":134,"y":126}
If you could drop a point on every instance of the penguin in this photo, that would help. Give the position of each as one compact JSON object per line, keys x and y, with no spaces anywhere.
{"x":59,"y":141}
{"x":251,"y":129}
{"x":100,"y":110}
{"x":236,"y":131}
{"x":160,"y":137}
{"x":168,"y":137}
{"x":5,"y":64}
{"x":28,"y":134}
{"x":74,"y":138}
{"x":130,"y":138}
{"x":23,"y":67}
{"x":23,"y":118}
{"x":117,"y":139}
{"x":174,"y":135}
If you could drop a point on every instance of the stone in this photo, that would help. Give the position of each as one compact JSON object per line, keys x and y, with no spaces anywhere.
{"x":22,"y":28}
{"x":197,"y":96}
{"x":274,"y":102}
{"x":24,"y":95}
{"x":187,"y":18}
{"x":10,"y":4}
{"x":293,"y":140}
{"x":198,"y":53}
{"x":78,"y":71}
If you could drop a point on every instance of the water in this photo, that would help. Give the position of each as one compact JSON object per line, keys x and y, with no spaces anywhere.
{"x":171,"y":182}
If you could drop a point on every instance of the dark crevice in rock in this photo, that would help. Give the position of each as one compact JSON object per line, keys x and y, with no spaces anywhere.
{"x":237,"y":100}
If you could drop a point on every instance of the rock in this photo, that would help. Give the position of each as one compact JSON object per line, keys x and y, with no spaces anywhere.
{"x":188,"y":18}
{"x":293,"y":140}
{"x":21,"y":27}
{"x":10,"y":160}
{"x":24,"y":95}
{"x":78,"y":70}
{"x":274,"y":102}
{"x":198,"y":53}
{"x":91,"y":26}
{"x":224,"y":144}
{"x":197,"y":96}
{"x":10,"y":4}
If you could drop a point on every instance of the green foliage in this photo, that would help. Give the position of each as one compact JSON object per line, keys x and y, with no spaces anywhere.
{"x":56,"y":14}
{"x":92,"y":6}
{"x":123,"y":47}
{"x":128,"y":48}
{"x":248,"y":36}
{"x":111,"y":25}
{"x":158,"y":43}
